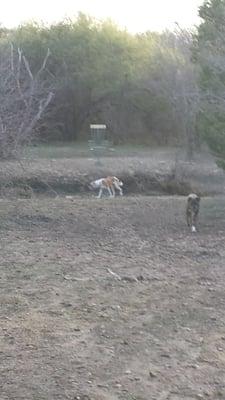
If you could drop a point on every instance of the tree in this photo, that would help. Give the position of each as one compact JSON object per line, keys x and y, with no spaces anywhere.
{"x":142,"y":86}
{"x":209,"y":53}
{"x":91,"y":61}
{"x":172,"y":78}
{"x":24,"y":97}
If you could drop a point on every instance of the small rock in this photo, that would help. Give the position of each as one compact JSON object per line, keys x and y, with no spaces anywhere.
{"x":140,"y":278}
{"x":165,"y":355}
{"x":101,"y":385}
{"x":129,"y":279}
{"x":195,"y":366}
{"x":115,"y":307}
{"x":152,"y":374}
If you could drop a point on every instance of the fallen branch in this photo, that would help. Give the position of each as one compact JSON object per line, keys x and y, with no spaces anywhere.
{"x":114,"y":274}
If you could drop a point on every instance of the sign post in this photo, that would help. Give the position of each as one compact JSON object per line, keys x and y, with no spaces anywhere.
{"x":98,"y":142}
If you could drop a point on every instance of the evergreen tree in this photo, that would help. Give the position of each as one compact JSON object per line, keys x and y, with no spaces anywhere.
{"x":209,"y":52}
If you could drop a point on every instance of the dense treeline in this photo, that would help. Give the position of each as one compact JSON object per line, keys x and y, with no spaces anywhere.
{"x":209,"y":53}
{"x":100,"y":74}
{"x":147,"y":88}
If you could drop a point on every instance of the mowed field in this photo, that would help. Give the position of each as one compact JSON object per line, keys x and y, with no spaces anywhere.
{"x":111,"y":299}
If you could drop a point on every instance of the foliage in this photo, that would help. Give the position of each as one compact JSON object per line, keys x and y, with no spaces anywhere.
{"x":138,"y":85}
{"x":209,"y":52}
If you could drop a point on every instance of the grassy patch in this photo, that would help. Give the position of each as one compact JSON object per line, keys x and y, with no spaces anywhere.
{"x":213,"y":208}
{"x":81,"y":149}
{"x":58,"y":150}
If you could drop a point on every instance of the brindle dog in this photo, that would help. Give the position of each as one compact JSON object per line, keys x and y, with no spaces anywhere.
{"x":192,"y":210}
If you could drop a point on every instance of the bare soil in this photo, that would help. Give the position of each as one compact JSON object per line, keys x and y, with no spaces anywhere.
{"x":111,"y":299}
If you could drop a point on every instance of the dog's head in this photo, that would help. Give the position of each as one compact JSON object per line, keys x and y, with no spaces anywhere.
{"x":193,"y":201}
{"x":94,"y":185}
{"x":115,"y":179}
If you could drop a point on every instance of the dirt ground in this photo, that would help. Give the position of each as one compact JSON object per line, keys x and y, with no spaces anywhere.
{"x":111,"y":299}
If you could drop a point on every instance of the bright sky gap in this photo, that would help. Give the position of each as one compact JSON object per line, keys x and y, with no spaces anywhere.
{"x":135,"y":16}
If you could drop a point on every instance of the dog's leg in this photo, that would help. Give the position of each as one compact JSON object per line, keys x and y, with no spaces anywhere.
{"x":112,"y":191}
{"x":118,"y":188}
{"x":100,"y":193}
{"x":188,"y":217}
{"x":194,"y":221}
{"x":195,"y":218}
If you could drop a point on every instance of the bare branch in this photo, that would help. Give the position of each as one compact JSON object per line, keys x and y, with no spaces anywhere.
{"x":28,"y":68}
{"x":42,"y":106}
{"x":12,"y":58}
{"x":44,"y":63}
{"x":24,"y":98}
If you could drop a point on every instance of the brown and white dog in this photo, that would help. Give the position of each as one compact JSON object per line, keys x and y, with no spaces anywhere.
{"x":192,"y":210}
{"x":109,"y":183}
